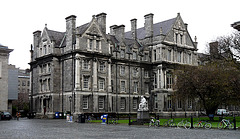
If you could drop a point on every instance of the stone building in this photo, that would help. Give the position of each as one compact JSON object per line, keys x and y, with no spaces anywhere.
{"x":4,"y":56}
{"x":86,"y":70}
{"x":12,"y":86}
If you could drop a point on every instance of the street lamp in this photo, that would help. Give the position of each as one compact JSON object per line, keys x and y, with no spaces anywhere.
{"x":70,"y":99}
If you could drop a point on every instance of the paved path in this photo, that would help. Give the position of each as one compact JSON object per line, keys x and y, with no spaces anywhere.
{"x":58,"y":128}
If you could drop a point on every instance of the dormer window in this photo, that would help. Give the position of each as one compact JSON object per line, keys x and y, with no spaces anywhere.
{"x":176,"y":38}
{"x":97,"y":45}
{"x":122,"y":53}
{"x":134,"y":55}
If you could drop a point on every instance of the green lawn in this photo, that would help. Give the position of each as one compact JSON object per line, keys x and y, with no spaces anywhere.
{"x":177,"y":120}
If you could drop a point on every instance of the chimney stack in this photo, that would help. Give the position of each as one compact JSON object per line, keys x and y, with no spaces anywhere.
{"x":70,"y":32}
{"x":36,"y":41}
{"x":134,"y":28}
{"x":214,"y":49}
{"x":112,"y":29}
{"x":148,"y":25}
{"x":119,"y":32}
{"x":101,"y":19}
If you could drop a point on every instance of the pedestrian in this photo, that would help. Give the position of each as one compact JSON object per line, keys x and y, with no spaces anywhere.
{"x":18,"y":114}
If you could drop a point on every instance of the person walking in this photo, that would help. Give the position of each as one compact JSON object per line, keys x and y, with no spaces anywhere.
{"x":18,"y":114}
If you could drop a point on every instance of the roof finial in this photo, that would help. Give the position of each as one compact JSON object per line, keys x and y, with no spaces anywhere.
{"x":46,"y":25}
{"x":195,"y":38}
{"x":161,"y":30}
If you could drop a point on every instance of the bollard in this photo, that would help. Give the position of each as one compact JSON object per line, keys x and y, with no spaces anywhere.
{"x":191,"y":122}
{"x":234,"y":123}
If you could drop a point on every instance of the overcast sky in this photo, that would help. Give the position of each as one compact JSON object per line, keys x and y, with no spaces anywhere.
{"x":206,"y":19}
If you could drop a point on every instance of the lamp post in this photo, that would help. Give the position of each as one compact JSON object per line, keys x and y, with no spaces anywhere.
{"x":70,"y":100}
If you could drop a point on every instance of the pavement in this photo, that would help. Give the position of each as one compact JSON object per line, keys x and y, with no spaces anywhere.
{"x":60,"y":129}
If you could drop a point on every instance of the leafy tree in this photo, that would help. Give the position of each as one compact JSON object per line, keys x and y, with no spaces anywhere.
{"x":213,"y":84}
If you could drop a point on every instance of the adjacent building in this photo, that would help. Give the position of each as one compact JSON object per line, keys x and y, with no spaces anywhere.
{"x":12,"y":86}
{"x":86,"y":70}
{"x":4,"y":56}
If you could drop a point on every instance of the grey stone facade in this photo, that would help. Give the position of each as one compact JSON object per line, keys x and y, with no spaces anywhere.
{"x":4,"y":56}
{"x":85,"y":70}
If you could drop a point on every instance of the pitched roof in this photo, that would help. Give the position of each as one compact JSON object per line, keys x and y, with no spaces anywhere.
{"x":81,"y":29}
{"x":166,"y":26}
{"x":56,"y":36}
{"x":1,"y":46}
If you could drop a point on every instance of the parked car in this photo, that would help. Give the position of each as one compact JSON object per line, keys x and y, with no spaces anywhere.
{"x":222,"y":112}
{"x":6,"y":116}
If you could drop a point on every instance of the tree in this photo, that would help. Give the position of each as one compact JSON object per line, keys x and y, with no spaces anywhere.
{"x":213,"y":84}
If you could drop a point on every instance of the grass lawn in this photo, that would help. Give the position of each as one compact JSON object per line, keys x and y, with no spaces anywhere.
{"x":177,"y":120}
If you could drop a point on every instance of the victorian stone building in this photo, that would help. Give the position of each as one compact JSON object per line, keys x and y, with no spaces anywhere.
{"x":86,"y":70}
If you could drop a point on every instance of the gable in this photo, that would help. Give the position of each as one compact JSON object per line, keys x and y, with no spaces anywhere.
{"x":178,"y":34}
{"x":92,"y":29}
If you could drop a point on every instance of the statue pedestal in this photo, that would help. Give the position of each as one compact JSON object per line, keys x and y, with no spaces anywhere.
{"x":143,"y":116}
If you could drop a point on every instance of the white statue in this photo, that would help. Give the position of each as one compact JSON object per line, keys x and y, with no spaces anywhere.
{"x":143,"y":106}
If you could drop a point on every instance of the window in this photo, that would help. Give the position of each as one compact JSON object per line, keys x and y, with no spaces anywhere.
{"x":179,"y":104}
{"x":169,"y":57}
{"x":101,"y":102}
{"x":49,"y":67}
{"x":169,"y":102}
{"x":19,"y":83}
{"x":85,"y":82}
{"x":135,"y":87}
{"x":85,"y":64}
{"x":40,"y":52}
{"x":102,"y":66}
{"x":181,"y":39}
{"x":45,"y":49}
{"x":189,"y":58}
{"x":135,"y":72}
{"x":135,"y":103}
{"x":145,"y":56}
{"x":176,"y":38}
{"x":122,"y":86}
{"x":146,"y":88}
{"x":169,"y":80}
{"x":134,"y":55}
{"x":179,"y":56}
{"x":28,"y":83}
{"x":155,"y":80}
{"x":49,"y":85}
{"x":155,"y":102}
{"x":23,"y":83}
{"x":123,"y":103}
{"x":155,"y":55}
{"x":90,"y":44}
{"x":49,"y":49}
{"x":146,"y":74}
{"x":122,"y":53}
{"x":97,"y":45}
{"x":122,"y":70}
{"x":101,"y":84}
{"x":85,"y":102}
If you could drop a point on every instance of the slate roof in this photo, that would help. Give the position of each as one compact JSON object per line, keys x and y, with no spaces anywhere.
{"x":166,"y":26}
{"x":1,"y":46}
{"x":56,"y":36}
{"x":81,"y":29}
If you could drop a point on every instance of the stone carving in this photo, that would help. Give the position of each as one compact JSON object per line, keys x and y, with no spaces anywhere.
{"x":143,"y":105}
